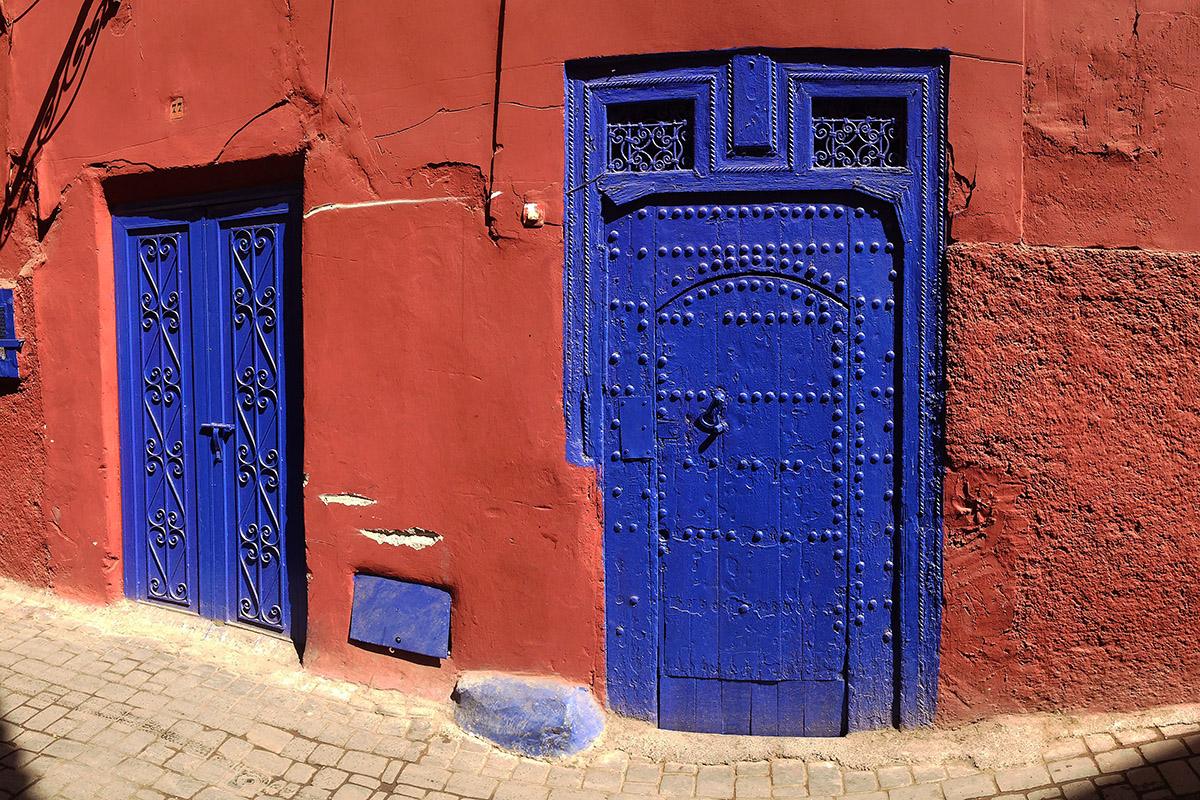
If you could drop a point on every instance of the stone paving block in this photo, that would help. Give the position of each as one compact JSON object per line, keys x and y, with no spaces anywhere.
{"x":895,"y":777}
{"x":641,"y":772}
{"x":1066,"y":748}
{"x":1164,"y":750}
{"x":363,"y":763}
{"x":175,"y":785}
{"x":601,"y":780}
{"x":235,"y":749}
{"x":329,"y":778}
{"x":677,"y":785}
{"x":473,"y":786}
{"x":268,"y":737}
{"x":824,"y":777}
{"x":1122,"y":760}
{"x":788,"y":772}
{"x":364,"y":780}
{"x":564,"y":777}
{"x":753,"y":768}
{"x":1134,"y":736}
{"x":576,"y":794}
{"x":363,"y":740}
{"x":716,"y":782}
{"x":424,"y":776}
{"x":928,"y":773}
{"x":1072,"y":769}
{"x":267,"y":762}
{"x":969,"y":787}
{"x":925,"y":791}
{"x":326,"y":755}
{"x":860,"y":782}
{"x":1180,"y":777}
{"x":352,"y":792}
{"x":471,"y":762}
{"x":1021,"y":778}
{"x":514,"y":790}
{"x":1080,"y":790}
{"x":751,"y":786}
{"x":1044,"y":794}
{"x":1100,"y":742}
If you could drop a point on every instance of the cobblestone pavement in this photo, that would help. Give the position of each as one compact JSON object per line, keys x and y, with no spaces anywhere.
{"x":95,"y":709}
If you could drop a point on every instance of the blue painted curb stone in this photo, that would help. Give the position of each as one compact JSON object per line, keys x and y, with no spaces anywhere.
{"x":527,"y":715}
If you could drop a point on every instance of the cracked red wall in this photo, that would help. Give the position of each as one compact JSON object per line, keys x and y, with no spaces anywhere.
{"x":433,"y":335}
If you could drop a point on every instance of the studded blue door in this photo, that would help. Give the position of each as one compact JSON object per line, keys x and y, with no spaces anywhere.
{"x":201,"y":307}
{"x":753,"y":303}
{"x":772,"y":383}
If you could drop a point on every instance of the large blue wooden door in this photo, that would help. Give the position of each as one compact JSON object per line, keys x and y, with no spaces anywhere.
{"x":752,"y":341}
{"x":770,"y":397}
{"x":201,"y":314}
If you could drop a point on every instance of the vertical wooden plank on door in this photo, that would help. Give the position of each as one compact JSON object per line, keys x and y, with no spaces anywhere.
{"x":685,"y":358}
{"x":251,"y":254}
{"x":873,"y":382}
{"x":630,"y":535}
{"x":160,"y":510}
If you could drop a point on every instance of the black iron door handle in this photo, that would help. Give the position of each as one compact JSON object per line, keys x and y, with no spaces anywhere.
{"x":217,"y":432}
{"x":712,"y":421}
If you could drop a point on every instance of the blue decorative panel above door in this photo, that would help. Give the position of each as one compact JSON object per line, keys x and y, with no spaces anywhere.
{"x":752,"y":366}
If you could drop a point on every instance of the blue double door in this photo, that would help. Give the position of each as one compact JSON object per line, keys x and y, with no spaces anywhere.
{"x":204,"y":305}
{"x":751,"y":384}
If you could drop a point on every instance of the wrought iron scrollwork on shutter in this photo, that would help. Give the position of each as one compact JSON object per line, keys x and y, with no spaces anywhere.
{"x":858,"y":132}
{"x":650,"y":137}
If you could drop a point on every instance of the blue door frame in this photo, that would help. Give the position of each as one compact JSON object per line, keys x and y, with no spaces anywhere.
{"x":738,"y":139}
{"x":205,"y":291}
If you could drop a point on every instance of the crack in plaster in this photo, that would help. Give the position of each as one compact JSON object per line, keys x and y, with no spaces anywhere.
{"x":347,"y":499}
{"x":416,"y":538}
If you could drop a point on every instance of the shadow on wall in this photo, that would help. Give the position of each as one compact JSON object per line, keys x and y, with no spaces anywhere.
{"x":60,"y":96}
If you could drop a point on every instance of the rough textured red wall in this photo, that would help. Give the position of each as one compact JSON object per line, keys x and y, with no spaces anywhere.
{"x":433,"y":320}
{"x":24,"y":553}
{"x":1071,"y":508}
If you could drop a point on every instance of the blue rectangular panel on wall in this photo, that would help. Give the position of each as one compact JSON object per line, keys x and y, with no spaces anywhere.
{"x":402,"y":615}
{"x":9,"y":343}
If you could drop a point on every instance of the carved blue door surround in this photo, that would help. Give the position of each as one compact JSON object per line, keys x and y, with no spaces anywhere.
{"x":753,"y":367}
{"x":201,"y":309}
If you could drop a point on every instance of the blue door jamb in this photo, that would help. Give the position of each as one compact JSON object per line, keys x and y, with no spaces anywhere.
{"x":736,"y":151}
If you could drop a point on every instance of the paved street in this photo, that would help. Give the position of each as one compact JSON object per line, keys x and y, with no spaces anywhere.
{"x":134,"y":702}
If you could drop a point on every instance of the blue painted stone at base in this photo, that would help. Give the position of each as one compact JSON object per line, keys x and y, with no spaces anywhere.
{"x":527,"y":715}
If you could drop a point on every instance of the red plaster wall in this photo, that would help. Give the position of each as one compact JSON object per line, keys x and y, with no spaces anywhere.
{"x":24,"y":552}
{"x":1071,"y":507}
{"x":433,"y":333}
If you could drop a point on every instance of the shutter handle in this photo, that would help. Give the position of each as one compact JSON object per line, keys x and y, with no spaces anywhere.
{"x":217,"y":432}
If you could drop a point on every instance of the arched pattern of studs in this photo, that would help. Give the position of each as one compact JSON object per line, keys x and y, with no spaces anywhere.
{"x":774,"y":539}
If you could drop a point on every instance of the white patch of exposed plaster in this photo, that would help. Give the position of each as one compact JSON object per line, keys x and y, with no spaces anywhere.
{"x":416,"y":538}
{"x":346,"y":500}
{"x":372,"y":203}
{"x":496,"y":194}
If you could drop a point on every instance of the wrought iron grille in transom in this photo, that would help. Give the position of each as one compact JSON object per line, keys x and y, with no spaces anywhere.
{"x":857,"y":133}
{"x":650,"y":137}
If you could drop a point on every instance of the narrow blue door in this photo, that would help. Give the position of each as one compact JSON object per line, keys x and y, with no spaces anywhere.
{"x":202,"y":316}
